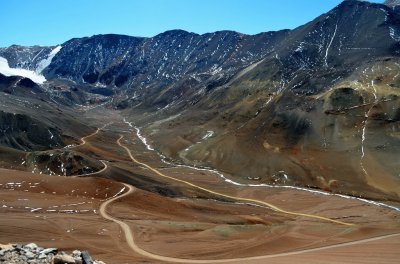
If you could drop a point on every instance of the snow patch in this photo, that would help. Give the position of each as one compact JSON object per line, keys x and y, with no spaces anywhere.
{"x":208,"y":135}
{"x":7,"y":71}
{"x":46,"y":62}
{"x":300,"y":48}
{"x":51,"y":134}
{"x":393,"y":34}
{"x":118,"y":193}
{"x":386,"y":13}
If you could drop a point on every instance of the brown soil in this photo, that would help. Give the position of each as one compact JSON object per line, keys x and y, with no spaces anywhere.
{"x":172,"y":219}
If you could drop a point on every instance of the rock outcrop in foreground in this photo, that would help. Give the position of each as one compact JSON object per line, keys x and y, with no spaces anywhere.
{"x":31,"y":253}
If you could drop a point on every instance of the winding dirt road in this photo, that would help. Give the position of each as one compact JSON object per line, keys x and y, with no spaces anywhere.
{"x":129,"y":236}
{"x":130,"y":239}
{"x":240,"y":199}
{"x":83,"y":139}
{"x":94,"y":173}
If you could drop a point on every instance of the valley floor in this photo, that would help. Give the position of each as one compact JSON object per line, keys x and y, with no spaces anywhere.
{"x":139,"y":209}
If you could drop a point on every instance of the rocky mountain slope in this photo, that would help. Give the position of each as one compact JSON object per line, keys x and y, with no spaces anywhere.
{"x":321,"y":110}
{"x":392,"y":3}
{"x":315,"y":106}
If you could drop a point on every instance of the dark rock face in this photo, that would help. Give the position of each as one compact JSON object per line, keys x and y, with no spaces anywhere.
{"x":62,"y":162}
{"x":392,"y":3}
{"x":19,"y":86}
{"x":131,"y":62}
{"x":345,"y":98}
{"x":31,"y":117}
{"x":22,"y":132}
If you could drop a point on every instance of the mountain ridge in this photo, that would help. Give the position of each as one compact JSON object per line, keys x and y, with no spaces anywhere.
{"x":274,"y":101}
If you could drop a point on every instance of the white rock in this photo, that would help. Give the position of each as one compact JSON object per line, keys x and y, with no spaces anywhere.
{"x":29,"y":255}
{"x":76,"y":253}
{"x":48,"y":250}
{"x":31,"y":246}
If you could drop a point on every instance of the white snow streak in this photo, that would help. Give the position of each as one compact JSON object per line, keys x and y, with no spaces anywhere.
{"x":208,"y":135}
{"x":143,"y":139}
{"x":7,"y":71}
{"x":393,"y":34}
{"x":118,"y":193}
{"x":46,"y":62}
{"x":329,"y":46}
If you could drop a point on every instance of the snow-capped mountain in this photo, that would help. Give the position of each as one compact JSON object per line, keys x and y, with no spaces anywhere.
{"x":273,"y":99}
{"x":27,"y":61}
{"x":344,"y":35}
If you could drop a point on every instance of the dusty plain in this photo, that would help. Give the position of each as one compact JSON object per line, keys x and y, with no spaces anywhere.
{"x":188,"y":216}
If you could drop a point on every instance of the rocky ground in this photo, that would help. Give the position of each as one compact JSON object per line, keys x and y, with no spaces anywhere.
{"x":31,"y":253}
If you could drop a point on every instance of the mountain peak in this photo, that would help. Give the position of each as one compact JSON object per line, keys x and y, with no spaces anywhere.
{"x":175,"y":32}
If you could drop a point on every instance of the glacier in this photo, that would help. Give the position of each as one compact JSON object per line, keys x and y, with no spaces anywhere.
{"x":7,"y":71}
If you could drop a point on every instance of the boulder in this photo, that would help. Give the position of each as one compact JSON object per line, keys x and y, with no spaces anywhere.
{"x":29,"y":255}
{"x":7,"y":247}
{"x":48,"y":250}
{"x":30,"y":246}
{"x":63,"y":259}
{"x":86,"y":259}
{"x":76,"y":253}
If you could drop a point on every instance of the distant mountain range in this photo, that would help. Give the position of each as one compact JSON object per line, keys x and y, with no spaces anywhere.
{"x":317,"y":105}
{"x":344,"y":35}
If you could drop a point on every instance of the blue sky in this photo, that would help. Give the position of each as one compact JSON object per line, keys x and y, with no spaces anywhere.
{"x":50,"y":22}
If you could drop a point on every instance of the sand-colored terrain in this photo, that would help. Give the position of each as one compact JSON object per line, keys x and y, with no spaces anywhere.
{"x":128,"y":212}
